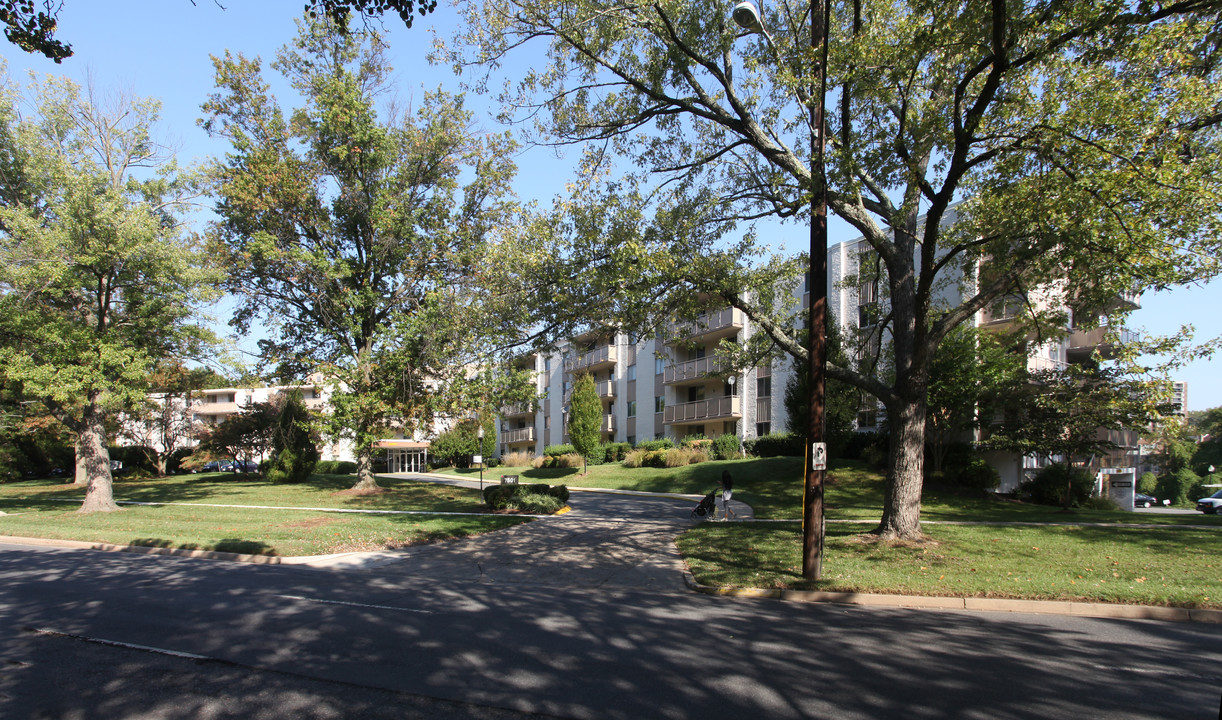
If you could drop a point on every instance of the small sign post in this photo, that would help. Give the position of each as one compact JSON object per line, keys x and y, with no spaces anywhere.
{"x":818,"y":456}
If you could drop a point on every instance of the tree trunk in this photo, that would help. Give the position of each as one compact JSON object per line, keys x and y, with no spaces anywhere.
{"x":82,"y":472}
{"x":91,"y":446}
{"x":905,"y":473}
{"x":364,"y":465}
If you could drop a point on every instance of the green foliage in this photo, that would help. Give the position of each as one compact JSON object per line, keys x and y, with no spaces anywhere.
{"x":1058,"y":484}
{"x":1206,"y":454}
{"x":244,"y":435}
{"x":535,"y":498}
{"x":335,"y":467}
{"x":357,"y":229}
{"x":557,"y":450}
{"x":776,"y":445}
{"x":616,"y":451}
{"x":658,"y":444}
{"x":727,"y":446}
{"x":585,"y":416}
{"x":1148,"y":484}
{"x":456,"y":446}
{"x":294,"y":445}
{"x":1178,"y":487}
{"x":840,"y":401}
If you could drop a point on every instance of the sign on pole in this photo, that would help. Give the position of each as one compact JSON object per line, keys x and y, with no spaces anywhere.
{"x":818,"y":456}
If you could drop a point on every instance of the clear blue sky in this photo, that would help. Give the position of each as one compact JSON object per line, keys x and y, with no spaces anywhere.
{"x":162,"y":48}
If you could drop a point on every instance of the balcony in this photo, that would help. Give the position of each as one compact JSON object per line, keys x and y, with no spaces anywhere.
{"x":510,"y":411}
{"x":707,"y":328}
{"x":1002,"y":311}
{"x":1036,"y":364}
{"x":608,"y":423}
{"x":216,"y":408}
{"x":1084,"y":342}
{"x":691,"y":413}
{"x":692,"y":371}
{"x":596,"y":359}
{"x":520,"y":435}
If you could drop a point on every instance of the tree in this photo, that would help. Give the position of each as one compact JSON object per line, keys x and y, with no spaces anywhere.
{"x":97,"y":280}
{"x":355,"y":232}
{"x":165,"y":422}
{"x":33,"y":30}
{"x":247,"y":435}
{"x":841,"y":403}
{"x":585,"y":417}
{"x":1079,"y":143}
{"x":294,"y":447}
{"x":970,"y":373}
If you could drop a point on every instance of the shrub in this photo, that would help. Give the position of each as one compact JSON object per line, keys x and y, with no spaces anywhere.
{"x":778,"y":444}
{"x":656,"y":458}
{"x":696,"y":442}
{"x":616,"y":452}
{"x":866,"y":446}
{"x":533,"y":498}
{"x":727,"y":447}
{"x":335,"y":467}
{"x":294,"y":443}
{"x":571,"y":460}
{"x":518,"y":459}
{"x":659,"y":444}
{"x":635,"y":459}
{"x":1148,"y":484}
{"x":977,"y":473}
{"x":1100,"y":502}
{"x":539,"y":462}
{"x":556,"y":450}
{"x":1048,"y":487}
{"x":1177,"y":486}
{"x":677,"y":457}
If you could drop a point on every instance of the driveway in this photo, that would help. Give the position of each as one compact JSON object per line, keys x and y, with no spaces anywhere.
{"x":610,"y":540}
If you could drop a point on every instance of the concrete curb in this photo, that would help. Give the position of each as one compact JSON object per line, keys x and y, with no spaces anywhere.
{"x":146,"y":550}
{"x":972,"y":604}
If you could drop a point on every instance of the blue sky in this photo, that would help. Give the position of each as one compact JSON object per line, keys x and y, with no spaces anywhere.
{"x":162,"y":48}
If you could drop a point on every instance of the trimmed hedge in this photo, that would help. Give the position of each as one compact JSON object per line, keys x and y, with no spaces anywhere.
{"x":726,"y":447}
{"x":659,"y":444}
{"x":502,"y":497}
{"x":776,"y":445}
{"x":335,"y":467}
{"x":553,"y":450}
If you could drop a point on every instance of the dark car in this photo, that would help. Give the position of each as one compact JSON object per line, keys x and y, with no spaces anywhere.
{"x":1144,"y":500}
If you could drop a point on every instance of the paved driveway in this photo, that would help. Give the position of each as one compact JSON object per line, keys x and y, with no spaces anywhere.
{"x":608,"y":540}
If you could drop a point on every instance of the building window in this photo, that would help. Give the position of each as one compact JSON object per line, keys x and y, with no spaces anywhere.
{"x":695,"y":394}
{"x":867,"y":418}
{"x":547,"y":366}
{"x":762,"y":429}
{"x":632,"y":371}
{"x":730,"y":427}
{"x":659,"y":435}
{"x":659,"y":365}
{"x":632,"y":408}
{"x":632,"y":439}
{"x":659,"y":403}
{"x":547,"y":422}
{"x":763,"y":387}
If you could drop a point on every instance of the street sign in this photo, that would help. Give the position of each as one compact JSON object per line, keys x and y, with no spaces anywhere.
{"x":818,"y":456}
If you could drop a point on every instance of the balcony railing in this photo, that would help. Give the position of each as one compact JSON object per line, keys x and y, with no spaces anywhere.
{"x":692,"y":370}
{"x":598,"y":357}
{"x":1043,"y":363}
{"x":519,"y":435}
{"x":518,"y":410}
{"x":608,"y":423}
{"x":1086,"y":341}
{"x":216,"y":408}
{"x":718,"y":324}
{"x":713,"y":409}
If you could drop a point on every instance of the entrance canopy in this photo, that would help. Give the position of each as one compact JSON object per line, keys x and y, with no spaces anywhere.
{"x":404,"y":455}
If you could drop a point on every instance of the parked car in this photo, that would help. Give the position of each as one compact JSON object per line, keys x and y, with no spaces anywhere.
{"x":1210,"y":505}
{"x":248,"y":466}
{"x":1144,"y":500}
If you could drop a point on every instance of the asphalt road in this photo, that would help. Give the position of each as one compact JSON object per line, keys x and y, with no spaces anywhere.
{"x":583,"y":616}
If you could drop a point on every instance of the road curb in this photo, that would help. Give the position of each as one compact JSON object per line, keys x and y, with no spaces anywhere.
{"x":970,"y":604}
{"x":148,"y":550}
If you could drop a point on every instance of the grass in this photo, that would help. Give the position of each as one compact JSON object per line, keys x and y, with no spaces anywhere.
{"x":1167,"y":566}
{"x":43,"y":508}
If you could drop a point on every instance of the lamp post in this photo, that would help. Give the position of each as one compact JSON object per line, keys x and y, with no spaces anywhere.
{"x":747,"y":16}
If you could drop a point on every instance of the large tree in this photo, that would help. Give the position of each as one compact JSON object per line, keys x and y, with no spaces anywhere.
{"x":98,"y":280}
{"x":1080,"y":141}
{"x":354,"y":230}
{"x":585,"y":417}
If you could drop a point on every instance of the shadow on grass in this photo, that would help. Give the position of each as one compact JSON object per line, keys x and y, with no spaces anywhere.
{"x":229,"y":545}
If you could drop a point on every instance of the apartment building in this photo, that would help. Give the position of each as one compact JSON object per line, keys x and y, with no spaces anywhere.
{"x":670,"y":385}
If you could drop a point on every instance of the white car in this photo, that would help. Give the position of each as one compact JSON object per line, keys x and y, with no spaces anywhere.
{"x":1211,"y":504}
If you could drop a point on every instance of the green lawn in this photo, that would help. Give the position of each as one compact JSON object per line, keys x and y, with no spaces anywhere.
{"x":1165,"y":566}
{"x":44,"y":508}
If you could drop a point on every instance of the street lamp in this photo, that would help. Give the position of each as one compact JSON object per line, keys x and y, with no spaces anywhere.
{"x":747,"y":16}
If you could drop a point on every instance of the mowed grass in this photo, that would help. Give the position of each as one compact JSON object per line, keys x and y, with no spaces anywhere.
{"x":1165,"y":566}
{"x":47,"y":509}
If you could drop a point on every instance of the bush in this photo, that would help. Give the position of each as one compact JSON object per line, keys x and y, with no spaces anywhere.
{"x":556,"y":450}
{"x":571,"y":460}
{"x":777,"y":445}
{"x":868,"y":446}
{"x":696,"y":442}
{"x":1178,"y":486}
{"x":1100,"y":502}
{"x":727,"y":447}
{"x":659,"y":444}
{"x":518,"y":459}
{"x":1148,"y":484}
{"x":635,"y":459}
{"x":1049,"y":486}
{"x":533,"y":498}
{"x":616,"y":452}
{"x":335,"y":467}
